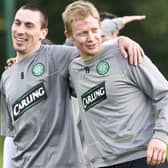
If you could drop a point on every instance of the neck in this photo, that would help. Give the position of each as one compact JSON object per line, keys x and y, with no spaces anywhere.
{"x":89,"y":57}
{"x":23,"y":55}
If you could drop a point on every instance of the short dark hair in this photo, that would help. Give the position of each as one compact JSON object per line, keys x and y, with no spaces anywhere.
{"x":107,"y":15}
{"x":34,"y":7}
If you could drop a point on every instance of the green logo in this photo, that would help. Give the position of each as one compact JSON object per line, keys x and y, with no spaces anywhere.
{"x":38,"y":69}
{"x":29,"y":99}
{"x":102,"y":67}
{"x":94,"y":96}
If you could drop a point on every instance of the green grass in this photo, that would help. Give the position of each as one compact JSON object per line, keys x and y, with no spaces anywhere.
{"x":1,"y":151}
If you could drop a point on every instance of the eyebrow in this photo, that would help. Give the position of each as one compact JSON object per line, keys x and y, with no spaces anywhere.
{"x":29,"y":22}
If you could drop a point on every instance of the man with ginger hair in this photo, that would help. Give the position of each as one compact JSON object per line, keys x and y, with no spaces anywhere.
{"x":118,"y":101}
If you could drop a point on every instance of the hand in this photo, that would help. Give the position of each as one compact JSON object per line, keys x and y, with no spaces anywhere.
{"x":128,"y":19}
{"x":156,"y":152}
{"x":10,"y":62}
{"x":131,"y":50}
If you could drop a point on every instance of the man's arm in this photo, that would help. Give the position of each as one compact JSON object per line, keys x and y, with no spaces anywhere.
{"x":128,"y":19}
{"x":116,"y":24}
{"x":6,"y":130}
{"x":10,"y":62}
{"x":8,"y":151}
{"x":131,"y":50}
{"x":150,"y":80}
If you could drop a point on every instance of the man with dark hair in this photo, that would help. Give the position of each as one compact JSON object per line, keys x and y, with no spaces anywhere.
{"x":36,"y":109}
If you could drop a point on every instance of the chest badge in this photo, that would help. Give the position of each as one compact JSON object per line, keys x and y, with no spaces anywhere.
{"x":102,"y":67}
{"x":38,"y":69}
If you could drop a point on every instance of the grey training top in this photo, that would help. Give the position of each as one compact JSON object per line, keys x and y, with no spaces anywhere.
{"x":118,"y":103}
{"x":36,"y":110}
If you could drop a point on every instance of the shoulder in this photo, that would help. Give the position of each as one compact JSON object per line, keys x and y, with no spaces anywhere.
{"x":60,"y":47}
{"x":76,"y":62}
{"x":60,"y":50}
{"x":7,"y":73}
{"x":55,"y":48}
{"x":112,"y":50}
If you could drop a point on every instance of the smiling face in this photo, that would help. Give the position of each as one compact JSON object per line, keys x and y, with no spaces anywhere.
{"x":27,"y":31}
{"x":82,"y":27}
{"x":86,"y":35}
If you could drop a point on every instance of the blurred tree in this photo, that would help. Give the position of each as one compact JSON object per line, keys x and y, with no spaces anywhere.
{"x":153,"y":32}
{"x":2,"y":36}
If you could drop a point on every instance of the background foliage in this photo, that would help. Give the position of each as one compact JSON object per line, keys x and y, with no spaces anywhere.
{"x":152,"y":33}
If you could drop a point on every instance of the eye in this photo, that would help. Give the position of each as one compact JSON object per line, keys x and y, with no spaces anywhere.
{"x":83,"y":33}
{"x":94,"y":30}
{"x":17,"y":22}
{"x":29,"y":25}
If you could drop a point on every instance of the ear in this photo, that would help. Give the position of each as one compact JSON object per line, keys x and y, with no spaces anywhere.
{"x":44,"y":33}
{"x":68,"y":35}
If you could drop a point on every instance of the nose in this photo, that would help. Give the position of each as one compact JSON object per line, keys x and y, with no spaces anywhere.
{"x":90,"y":36}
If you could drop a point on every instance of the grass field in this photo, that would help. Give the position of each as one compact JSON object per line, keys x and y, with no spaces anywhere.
{"x":1,"y":151}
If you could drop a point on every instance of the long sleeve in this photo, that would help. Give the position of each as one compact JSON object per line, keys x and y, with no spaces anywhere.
{"x":8,"y":151}
{"x":6,"y":121}
{"x":155,"y":86}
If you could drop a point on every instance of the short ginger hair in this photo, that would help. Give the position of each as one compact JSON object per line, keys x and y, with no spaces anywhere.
{"x":78,"y":10}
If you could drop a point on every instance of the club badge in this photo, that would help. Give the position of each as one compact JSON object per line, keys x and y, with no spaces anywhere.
{"x":38,"y":69}
{"x":102,"y":67}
